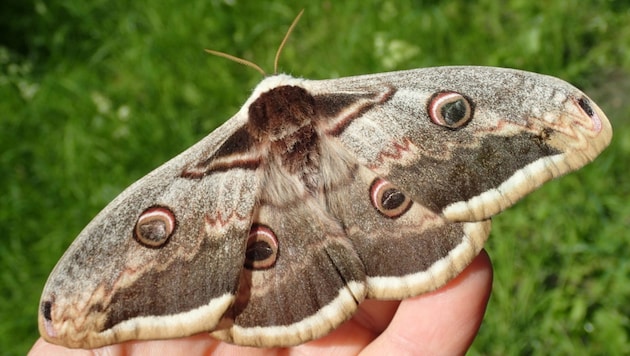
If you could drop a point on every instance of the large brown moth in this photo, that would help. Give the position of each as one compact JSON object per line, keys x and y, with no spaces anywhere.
{"x":314,"y":196}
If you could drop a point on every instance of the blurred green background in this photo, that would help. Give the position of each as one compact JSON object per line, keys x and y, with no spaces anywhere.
{"x":95,"y":94}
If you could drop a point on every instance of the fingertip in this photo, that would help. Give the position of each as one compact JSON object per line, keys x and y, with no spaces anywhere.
{"x":44,"y":348}
{"x":444,"y":321}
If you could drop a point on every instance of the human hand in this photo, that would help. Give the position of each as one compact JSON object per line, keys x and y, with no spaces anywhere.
{"x":442,"y":322}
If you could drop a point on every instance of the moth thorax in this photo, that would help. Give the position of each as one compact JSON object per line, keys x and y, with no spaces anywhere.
{"x":280,"y":112}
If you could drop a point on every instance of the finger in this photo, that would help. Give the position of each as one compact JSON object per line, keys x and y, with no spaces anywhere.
{"x":376,"y":315}
{"x":42,"y":348}
{"x":194,"y":345}
{"x":442,"y":322}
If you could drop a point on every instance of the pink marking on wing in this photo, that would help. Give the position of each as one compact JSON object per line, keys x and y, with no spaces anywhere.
{"x":50,"y":329}
{"x":219,"y":220}
{"x":375,"y":190}
{"x":591,"y":112}
{"x":394,"y":151}
{"x":597,"y":122}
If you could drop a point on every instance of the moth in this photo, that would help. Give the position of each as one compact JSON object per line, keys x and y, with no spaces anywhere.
{"x":314,"y":196}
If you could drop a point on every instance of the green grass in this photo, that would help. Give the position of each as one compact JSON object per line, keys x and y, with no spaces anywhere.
{"x":93,"y":95}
